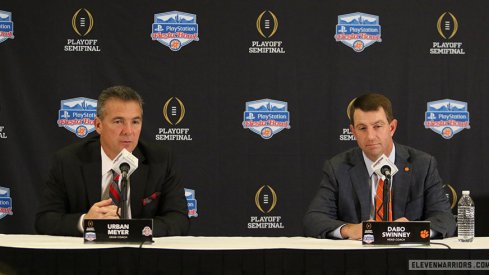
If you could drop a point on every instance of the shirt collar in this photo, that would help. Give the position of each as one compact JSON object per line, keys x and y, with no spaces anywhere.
{"x":368,"y":162}
{"x":107,"y":163}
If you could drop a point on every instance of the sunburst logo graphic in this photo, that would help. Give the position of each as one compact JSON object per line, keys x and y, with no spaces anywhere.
{"x":267,"y":24}
{"x":265,"y":199}
{"x":174,"y":111}
{"x":447,"y":25}
{"x":82,"y":22}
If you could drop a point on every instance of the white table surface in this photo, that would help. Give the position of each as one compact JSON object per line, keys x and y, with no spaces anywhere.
{"x":221,"y":243}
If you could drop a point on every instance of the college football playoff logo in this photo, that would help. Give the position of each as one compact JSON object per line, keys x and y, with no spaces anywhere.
{"x":265,"y":199}
{"x":447,"y":25}
{"x":174,"y":111}
{"x":82,"y":22}
{"x":267,"y":24}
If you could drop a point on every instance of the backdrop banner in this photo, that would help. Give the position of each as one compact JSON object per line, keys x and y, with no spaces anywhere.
{"x":251,"y":95}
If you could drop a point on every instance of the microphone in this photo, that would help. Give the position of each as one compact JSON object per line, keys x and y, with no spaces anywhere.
{"x":386,"y":171}
{"x":125,"y":163}
{"x":124,"y":167}
{"x":384,"y":168}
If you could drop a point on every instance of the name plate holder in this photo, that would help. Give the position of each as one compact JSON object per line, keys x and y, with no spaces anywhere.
{"x":396,"y":233}
{"x":118,"y":231}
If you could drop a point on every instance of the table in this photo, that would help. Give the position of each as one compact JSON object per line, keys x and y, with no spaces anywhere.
{"x":34,"y":254}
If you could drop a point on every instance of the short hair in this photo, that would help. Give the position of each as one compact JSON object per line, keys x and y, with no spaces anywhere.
{"x":371,"y":102}
{"x":123,"y":93}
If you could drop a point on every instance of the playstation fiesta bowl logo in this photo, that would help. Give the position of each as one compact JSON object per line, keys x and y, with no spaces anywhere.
{"x":175,"y":29}
{"x":77,"y":115}
{"x":191,"y":203}
{"x":358,"y":30}
{"x":5,"y":202}
{"x":266,"y":117}
{"x":6,"y":26}
{"x":447,"y":117}
{"x":90,"y":236}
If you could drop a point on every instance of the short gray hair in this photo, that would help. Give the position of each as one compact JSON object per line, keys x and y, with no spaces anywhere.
{"x":123,"y":93}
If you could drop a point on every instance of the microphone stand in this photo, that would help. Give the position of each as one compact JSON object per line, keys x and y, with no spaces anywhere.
{"x":124,"y":196}
{"x":387,"y":189}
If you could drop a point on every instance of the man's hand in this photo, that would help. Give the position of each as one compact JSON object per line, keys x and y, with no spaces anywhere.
{"x":102,"y":210}
{"x":352,"y":231}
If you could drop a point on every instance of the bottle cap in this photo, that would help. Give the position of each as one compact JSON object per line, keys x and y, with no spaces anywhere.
{"x":466,"y":192}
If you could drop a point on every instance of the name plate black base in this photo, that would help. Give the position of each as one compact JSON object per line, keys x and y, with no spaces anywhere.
{"x":118,"y":231}
{"x":396,"y":233}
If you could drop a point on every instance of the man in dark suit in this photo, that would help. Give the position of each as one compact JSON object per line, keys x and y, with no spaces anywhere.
{"x":82,"y":173}
{"x":346,"y":195}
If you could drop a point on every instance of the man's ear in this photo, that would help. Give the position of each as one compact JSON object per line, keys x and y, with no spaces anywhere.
{"x":98,"y":124}
{"x":393,"y":127}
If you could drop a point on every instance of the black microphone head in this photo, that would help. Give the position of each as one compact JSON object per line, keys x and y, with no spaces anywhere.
{"x":124,"y":167}
{"x":386,"y":170}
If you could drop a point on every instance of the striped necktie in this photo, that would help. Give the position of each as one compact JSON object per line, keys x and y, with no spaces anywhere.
{"x":114,"y":190}
{"x":379,"y":204}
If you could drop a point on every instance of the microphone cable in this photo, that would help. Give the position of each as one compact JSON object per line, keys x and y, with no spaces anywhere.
{"x":442,"y":244}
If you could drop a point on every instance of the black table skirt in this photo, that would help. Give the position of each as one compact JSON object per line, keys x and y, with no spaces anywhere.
{"x":236,"y":262}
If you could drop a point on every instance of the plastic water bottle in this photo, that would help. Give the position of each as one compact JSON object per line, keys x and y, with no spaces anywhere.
{"x":466,"y":218}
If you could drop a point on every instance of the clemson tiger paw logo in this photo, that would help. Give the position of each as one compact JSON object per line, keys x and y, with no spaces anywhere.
{"x":424,"y":234}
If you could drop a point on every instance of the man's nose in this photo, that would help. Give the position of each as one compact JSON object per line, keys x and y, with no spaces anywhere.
{"x":127,"y":129}
{"x":370,"y":133}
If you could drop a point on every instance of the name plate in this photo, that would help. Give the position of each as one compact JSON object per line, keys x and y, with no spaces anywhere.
{"x":118,"y":231}
{"x":396,"y":233}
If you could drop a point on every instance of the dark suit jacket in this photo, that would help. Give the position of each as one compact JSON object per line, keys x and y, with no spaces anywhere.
{"x":74,"y":185}
{"x":344,"y":195}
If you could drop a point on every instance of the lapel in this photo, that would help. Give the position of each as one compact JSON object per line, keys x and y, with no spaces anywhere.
{"x":92,"y":172}
{"x":138,"y":183}
{"x":359,"y":178}
{"x":401,"y":182}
